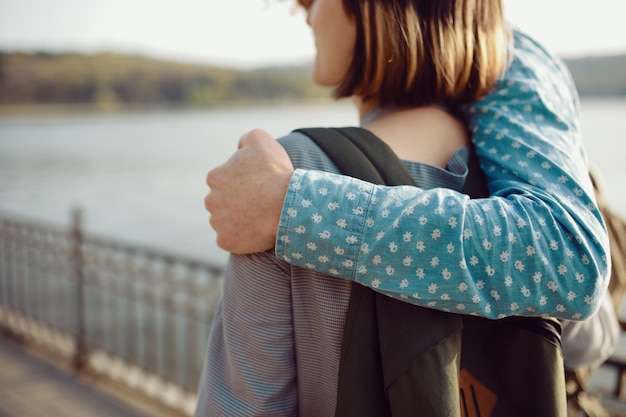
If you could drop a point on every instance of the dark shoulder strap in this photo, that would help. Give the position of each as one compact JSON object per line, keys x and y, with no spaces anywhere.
{"x":360,"y":154}
{"x":400,"y":357}
{"x":388,"y":352}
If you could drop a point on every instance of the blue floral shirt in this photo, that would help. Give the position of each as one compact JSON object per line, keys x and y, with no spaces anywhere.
{"x":537,"y":246}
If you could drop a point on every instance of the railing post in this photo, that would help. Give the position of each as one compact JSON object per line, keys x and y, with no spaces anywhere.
{"x":4,"y":261}
{"x":80,"y":354}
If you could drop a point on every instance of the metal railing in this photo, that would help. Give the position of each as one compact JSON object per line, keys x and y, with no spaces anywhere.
{"x":147,"y":310}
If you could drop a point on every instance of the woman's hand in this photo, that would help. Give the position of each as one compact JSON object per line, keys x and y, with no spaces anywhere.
{"x":247,"y":193}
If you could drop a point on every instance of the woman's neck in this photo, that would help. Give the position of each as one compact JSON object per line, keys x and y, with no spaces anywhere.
{"x":369,"y":110}
{"x":426,"y":134}
{"x":363,"y":107}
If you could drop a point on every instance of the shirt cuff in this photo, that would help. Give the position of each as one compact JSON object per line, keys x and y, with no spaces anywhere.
{"x":313,"y":232}
{"x":282,"y":235}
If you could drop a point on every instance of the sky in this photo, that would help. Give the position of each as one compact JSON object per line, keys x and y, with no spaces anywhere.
{"x":254,"y":33}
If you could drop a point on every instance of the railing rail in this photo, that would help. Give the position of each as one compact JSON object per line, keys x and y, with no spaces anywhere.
{"x":148,"y":310}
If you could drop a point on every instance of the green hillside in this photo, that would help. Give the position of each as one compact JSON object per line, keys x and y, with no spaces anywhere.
{"x":108,"y":80}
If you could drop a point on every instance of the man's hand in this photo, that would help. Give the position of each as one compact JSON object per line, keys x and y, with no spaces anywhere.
{"x":247,"y":193}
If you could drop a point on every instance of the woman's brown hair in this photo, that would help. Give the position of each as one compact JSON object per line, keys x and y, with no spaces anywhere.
{"x":416,"y":52}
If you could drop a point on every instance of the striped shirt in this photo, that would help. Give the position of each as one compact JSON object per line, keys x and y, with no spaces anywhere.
{"x":275,"y":318}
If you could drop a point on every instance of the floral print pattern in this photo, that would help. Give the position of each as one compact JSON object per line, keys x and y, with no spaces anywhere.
{"x":537,"y":246}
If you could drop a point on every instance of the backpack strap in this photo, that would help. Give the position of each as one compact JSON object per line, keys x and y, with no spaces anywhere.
{"x":359,"y":153}
{"x":396,"y":357}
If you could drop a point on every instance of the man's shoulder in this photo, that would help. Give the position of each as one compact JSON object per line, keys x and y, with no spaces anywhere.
{"x":305,"y":154}
{"x":531,"y":59}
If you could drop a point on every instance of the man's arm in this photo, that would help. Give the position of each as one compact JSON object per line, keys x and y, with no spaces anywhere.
{"x":537,"y":246}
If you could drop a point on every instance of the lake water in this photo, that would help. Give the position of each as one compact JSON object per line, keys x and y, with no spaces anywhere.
{"x":139,"y":176}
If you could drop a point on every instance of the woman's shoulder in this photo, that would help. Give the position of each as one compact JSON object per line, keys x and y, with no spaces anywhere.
{"x":305,"y":154}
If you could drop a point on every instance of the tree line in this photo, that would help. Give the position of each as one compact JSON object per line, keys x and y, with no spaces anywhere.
{"x":110,"y":79}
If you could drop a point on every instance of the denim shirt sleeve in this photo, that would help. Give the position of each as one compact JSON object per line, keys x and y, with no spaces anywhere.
{"x":537,"y":246}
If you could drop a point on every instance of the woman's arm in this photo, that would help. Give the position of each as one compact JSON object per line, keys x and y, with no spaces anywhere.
{"x":592,"y":341}
{"x":537,"y":246}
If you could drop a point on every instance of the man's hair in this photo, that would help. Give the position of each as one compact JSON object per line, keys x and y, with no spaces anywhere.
{"x":417,"y":52}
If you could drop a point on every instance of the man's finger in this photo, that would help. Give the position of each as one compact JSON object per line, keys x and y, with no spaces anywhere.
{"x":256,"y":137}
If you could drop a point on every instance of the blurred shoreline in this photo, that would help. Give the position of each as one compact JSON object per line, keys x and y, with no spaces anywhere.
{"x":44,"y":82}
{"x":53,"y":109}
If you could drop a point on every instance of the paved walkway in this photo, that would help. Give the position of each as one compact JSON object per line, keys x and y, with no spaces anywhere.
{"x":31,"y":387}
